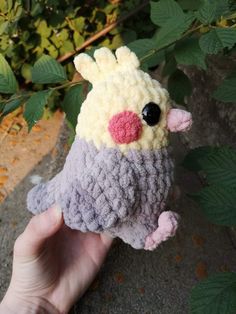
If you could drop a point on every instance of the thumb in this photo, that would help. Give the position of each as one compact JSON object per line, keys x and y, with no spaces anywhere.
{"x":39,"y":229}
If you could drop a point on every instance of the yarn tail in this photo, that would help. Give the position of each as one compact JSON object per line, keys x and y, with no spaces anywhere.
{"x":41,"y":197}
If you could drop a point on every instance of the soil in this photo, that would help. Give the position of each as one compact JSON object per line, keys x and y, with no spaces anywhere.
{"x":20,"y":151}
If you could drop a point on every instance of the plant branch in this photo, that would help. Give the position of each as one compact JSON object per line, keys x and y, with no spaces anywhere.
{"x":103,"y":32}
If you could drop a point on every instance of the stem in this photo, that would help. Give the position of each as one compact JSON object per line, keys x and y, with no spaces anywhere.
{"x":66,"y":85}
{"x":14,"y":98}
{"x":103,"y":32}
{"x":52,"y":88}
{"x":151,"y":52}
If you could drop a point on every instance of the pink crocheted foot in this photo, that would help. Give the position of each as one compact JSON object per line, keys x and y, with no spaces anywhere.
{"x":168,"y":224}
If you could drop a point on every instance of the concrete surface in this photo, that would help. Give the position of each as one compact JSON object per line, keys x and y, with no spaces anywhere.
{"x":135,"y":282}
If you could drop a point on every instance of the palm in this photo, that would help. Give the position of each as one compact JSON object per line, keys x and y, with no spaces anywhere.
{"x":71,"y":259}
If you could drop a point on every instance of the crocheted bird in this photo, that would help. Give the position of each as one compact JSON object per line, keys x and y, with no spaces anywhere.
{"x":118,"y":172}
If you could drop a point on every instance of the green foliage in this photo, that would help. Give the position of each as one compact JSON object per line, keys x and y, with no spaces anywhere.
{"x":11,"y":106}
{"x":29,"y":29}
{"x":192,"y":160}
{"x":218,"y":164}
{"x":212,"y":10}
{"x":218,"y":200}
{"x":8,"y":84}
{"x":215,"y":295}
{"x":220,"y":167}
{"x":218,"y":204}
{"x":191,"y":5}
{"x":217,"y":39}
{"x":179,"y":86}
{"x":38,"y":32}
{"x":47,"y":70}
{"x":34,"y":107}
{"x":72,"y":103}
{"x":226,"y":92}
{"x":144,"y":46}
{"x":188,"y":52}
{"x":173,"y":29}
{"x":164,"y":10}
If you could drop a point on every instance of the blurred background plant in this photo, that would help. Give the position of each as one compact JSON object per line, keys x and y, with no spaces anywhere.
{"x":38,"y":40}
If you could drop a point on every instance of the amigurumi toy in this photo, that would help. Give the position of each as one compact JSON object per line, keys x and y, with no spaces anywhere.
{"x":118,"y":173}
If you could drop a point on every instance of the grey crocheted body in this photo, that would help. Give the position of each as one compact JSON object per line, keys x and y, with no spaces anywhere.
{"x":105,"y":190}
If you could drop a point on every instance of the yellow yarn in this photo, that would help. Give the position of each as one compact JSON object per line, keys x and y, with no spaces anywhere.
{"x":118,"y":85}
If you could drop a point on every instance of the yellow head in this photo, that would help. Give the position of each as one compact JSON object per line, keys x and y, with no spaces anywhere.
{"x":126,"y":108}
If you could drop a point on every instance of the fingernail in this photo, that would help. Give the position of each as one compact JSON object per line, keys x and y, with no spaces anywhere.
{"x":55,"y":213}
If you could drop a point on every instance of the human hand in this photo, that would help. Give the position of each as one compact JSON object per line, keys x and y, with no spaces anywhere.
{"x":52,"y":265}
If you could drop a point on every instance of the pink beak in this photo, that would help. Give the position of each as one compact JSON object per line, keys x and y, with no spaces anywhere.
{"x":179,"y":120}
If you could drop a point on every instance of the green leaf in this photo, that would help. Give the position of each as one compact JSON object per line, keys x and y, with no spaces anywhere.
{"x":47,"y":70}
{"x":179,"y":86}
{"x":79,"y":23}
{"x":34,"y":107}
{"x":170,"y":67}
{"x":211,"y":10}
{"x":142,"y":47}
{"x":218,"y":204}
{"x":4,"y":27}
{"x":44,"y":30}
{"x":173,"y":29}
{"x":8,"y":84}
{"x":66,"y":47}
{"x":72,"y":102}
{"x":188,"y":52}
{"x":191,"y":5}
{"x":193,"y":158}
{"x":11,"y":106}
{"x":78,"y":39}
{"x":215,"y":295}
{"x":217,"y":39}
{"x":226,"y":91}
{"x":220,"y":167}
{"x":163,"y":10}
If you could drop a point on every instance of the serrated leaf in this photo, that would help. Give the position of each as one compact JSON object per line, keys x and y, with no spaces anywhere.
{"x":173,"y":29}
{"x":226,"y":91}
{"x":212,"y":10}
{"x":220,"y":167}
{"x":8,"y":84}
{"x":47,"y":70}
{"x":217,"y":39}
{"x":163,"y":10}
{"x":34,"y":107}
{"x":218,"y":204}
{"x":72,"y":102}
{"x":179,"y":86}
{"x":142,"y":47}
{"x":191,"y":160}
{"x":188,"y":52}
{"x":215,"y":295}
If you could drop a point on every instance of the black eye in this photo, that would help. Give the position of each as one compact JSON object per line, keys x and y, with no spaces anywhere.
{"x":151,"y":113}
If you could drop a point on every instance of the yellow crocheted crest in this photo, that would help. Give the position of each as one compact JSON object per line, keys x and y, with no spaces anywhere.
{"x":119,"y":85}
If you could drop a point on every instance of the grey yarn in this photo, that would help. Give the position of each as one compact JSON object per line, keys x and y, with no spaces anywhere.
{"x":105,"y":190}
